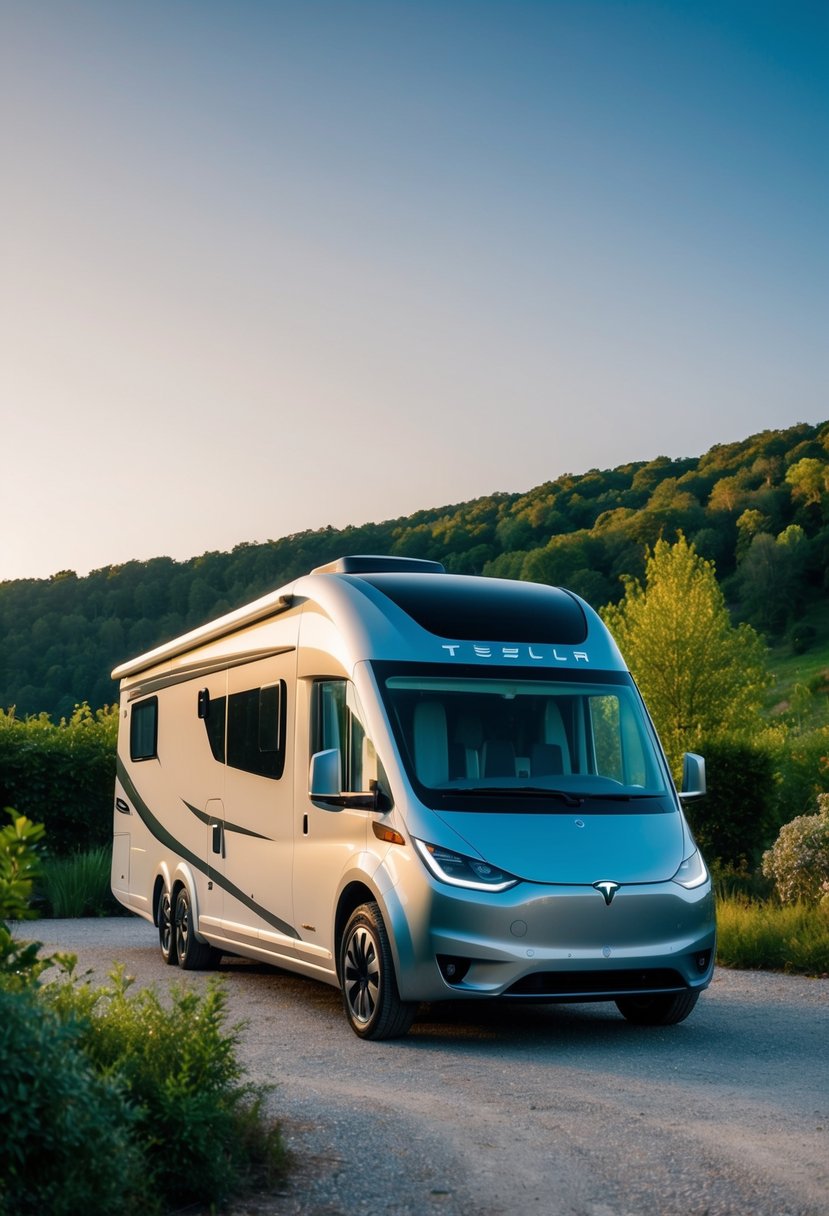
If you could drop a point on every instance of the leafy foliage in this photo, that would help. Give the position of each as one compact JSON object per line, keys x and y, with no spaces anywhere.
{"x":736,"y":819}
{"x":700,"y":676}
{"x":68,"y":1143}
{"x":19,"y":865}
{"x":799,"y":859}
{"x":202,"y":1130}
{"x":21,"y":963}
{"x":111,"y":1101}
{"x":61,"y":776}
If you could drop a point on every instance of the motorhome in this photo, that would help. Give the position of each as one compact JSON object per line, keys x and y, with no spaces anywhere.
{"x":417,"y":787}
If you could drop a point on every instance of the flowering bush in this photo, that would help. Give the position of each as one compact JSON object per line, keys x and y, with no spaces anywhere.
{"x":798,"y":861}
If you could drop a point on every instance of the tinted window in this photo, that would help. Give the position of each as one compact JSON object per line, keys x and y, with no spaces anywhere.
{"x":248,"y":729}
{"x":144,"y":730}
{"x":492,"y":610}
{"x":256,"y":730}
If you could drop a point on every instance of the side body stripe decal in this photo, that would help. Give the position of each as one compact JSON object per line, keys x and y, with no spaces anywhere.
{"x":166,"y":838}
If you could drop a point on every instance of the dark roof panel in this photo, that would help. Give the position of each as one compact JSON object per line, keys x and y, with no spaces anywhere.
{"x":486,"y":609}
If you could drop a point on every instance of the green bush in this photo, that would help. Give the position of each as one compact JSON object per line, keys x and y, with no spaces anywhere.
{"x":61,"y":775}
{"x":68,"y":1144}
{"x":111,"y":1102}
{"x":203,"y":1131}
{"x":802,"y":770}
{"x":798,"y":862}
{"x":78,"y":885}
{"x":20,"y":961}
{"x":734,"y":822}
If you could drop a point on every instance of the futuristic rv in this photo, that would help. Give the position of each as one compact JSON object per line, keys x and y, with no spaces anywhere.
{"x":415,"y":786}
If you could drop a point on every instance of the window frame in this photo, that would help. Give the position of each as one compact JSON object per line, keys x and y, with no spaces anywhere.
{"x":138,"y":711}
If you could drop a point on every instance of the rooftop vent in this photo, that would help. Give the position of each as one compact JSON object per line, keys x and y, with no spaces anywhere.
{"x":360,"y":564}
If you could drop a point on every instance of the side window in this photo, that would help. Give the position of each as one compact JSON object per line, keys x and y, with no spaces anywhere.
{"x":338,"y":723}
{"x":256,"y":730}
{"x":604,"y":718}
{"x":619,"y":751}
{"x":144,"y":730}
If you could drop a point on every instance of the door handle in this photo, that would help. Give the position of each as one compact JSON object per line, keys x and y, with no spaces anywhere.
{"x":218,"y":839}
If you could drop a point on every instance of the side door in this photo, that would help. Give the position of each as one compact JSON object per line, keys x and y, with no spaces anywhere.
{"x":329,"y":836}
{"x":254,"y":845}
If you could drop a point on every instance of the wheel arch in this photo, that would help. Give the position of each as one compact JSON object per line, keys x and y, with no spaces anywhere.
{"x":183,"y":877}
{"x":351,"y":897}
{"x":162,"y":880}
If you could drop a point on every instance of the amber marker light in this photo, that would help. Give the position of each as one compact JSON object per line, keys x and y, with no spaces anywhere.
{"x":387,"y":834}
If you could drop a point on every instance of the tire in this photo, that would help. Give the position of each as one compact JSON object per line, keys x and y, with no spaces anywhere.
{"x":370,"y":997}
{"x":192,"y":954}
{"x":166,"y":929}
{"x":657,"y":1010}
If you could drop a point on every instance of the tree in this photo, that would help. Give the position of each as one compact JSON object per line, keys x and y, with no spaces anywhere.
{"x":809,"y":479}
{"x":700,"y":676}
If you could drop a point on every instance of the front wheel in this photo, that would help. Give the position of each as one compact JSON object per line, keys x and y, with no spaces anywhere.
{"x":657,"y":1010}
{"x":370,"y":996}
{"x":192,"y":954}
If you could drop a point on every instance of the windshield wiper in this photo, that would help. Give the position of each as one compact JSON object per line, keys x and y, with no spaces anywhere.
{"x":536,"y":791}
{"x":620,"y":797}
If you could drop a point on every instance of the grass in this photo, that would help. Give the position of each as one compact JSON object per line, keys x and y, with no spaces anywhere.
{"x":810,"y":669}
{"x":78,"y":885}
{"x":770,"y":936}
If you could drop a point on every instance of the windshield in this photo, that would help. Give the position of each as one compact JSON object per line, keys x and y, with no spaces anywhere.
{"x":571,"y":737}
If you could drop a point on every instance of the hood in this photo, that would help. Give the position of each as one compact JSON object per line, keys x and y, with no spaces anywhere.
{"x":575,"y":847}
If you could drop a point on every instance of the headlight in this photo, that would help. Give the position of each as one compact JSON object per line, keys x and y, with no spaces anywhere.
{"x":692,"y":873}
{"x":461,"y":871}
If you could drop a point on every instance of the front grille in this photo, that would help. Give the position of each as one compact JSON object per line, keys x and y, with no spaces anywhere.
{"x":596,"y":983}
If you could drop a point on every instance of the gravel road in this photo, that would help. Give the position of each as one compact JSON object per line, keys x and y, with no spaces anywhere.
{"x":547,"y":1110}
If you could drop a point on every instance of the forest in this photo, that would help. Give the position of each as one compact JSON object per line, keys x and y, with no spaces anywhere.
{"x":758,"y":510}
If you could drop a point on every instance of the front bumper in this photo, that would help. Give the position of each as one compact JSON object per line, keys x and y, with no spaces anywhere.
{"x":557,"y":943}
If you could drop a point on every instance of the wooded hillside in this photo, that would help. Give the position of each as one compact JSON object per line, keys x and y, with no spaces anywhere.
{"x":758,"y":509}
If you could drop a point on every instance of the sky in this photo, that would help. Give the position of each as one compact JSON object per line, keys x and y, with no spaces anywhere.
{"x":270,"y":265}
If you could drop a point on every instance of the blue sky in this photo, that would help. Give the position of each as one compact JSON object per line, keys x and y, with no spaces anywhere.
{"x":270,"y":266}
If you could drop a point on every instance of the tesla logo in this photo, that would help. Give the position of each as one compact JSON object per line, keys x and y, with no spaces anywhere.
{"x":515,"y":653}
{"x":607,"y":888}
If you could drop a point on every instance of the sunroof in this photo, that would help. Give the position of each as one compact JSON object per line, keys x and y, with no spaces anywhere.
{"x":492,"y":609}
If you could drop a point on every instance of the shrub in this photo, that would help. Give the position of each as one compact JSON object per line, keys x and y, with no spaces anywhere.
{"x":67,"y":1144}
{"x":799,"y":859}
{"x":734,"y":822}
{"x":61,"y":775}
{"x":20,"y":962}
{"x":78,"y":885}
{"x":802,"y":764}
{"x":94,"y":1075}
{"x":204,"y":1132}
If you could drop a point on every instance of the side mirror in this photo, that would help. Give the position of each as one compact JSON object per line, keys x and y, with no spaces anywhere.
{"x":693,"y":776}
{"x":324,"y":780}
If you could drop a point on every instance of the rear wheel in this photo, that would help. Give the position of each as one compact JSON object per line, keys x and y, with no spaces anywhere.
{"x":657,"y":1010}
{"x":370,"y":996}
{"x":166,"y":932}
{"x":192,"y":954}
